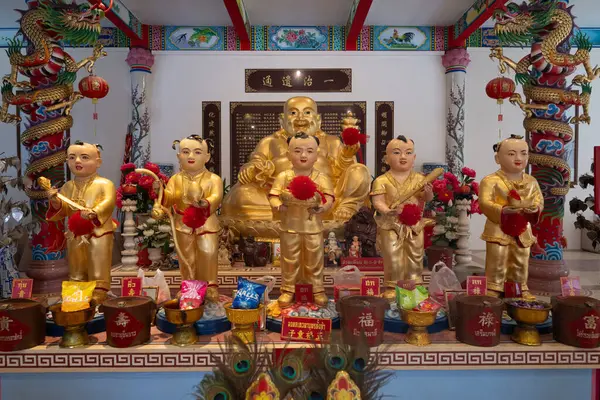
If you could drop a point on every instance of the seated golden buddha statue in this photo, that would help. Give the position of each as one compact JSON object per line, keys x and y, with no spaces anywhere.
{"x":248,"y":199}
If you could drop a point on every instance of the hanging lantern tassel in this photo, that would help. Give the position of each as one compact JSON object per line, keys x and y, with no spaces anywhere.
{"x":500,"y":88}
{"x":94,"y":87}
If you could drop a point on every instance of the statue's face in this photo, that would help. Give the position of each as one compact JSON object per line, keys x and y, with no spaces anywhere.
{"x":513,"y":156}
{"x":300,"y":115}
{"x":83,"y":160}
{"x":193,"y":155}
{"x":400,"y":156}
{"x":303,"y":153}
{"x":331,"y":235}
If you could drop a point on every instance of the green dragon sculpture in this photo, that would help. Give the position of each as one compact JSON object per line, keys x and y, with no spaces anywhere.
{"x":547,"y":27}
{"x":47,"y":98}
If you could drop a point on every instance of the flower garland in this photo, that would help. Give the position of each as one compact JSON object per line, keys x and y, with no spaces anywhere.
{"x":139,"y":187}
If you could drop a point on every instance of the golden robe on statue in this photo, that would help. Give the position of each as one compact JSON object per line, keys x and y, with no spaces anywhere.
{"x":301,"y":234}
{"x":90,"y":259}
{"x":400,"y":245}
{"x":199,"y":260}
{"x":507,"y":257}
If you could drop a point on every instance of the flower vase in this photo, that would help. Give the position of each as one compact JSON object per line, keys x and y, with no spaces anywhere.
{"x":154,"y":255}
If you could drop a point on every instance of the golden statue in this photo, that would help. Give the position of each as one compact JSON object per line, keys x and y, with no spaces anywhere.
{"x":512,"y":201}
{"x":195,"y":195}
{"x":248,"y":199}
{"x":401,"y":245}
{"x":90,"y":253}
{"x":301,"y":235}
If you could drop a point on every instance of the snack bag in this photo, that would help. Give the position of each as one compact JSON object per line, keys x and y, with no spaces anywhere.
{"x":248,"y":294}
{"x":420,"y":293}
{"x":406,"y":298}
{"x":192,"y":294}
{"x":76,"y":295}
{"x":427,"y":305}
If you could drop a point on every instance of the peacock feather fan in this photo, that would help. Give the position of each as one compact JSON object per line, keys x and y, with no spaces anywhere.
{"x":287,"y":369}
{"x":237,"y":367}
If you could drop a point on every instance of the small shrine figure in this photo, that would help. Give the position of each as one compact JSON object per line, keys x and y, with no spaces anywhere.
{"x":255,"y":254}
{"x":224,"y":257}
{"x":355,"y":248}
{"x":301,"y":195}
{"x":332,"y":249}
{"x":399,"y":197}
{"x":195,"y":195}
{"x":90,"y":229}
{"x":512,"y":201}
{"x":363,"y":225}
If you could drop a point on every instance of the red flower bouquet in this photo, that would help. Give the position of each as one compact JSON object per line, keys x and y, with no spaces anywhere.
{"x":80,"y":226}
{"x":303,"y":188}
{"x":411,"y":214}
{"x":195,"y":217}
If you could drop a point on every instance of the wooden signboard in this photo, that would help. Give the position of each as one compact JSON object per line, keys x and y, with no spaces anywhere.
{"x":252,"y":121}
{"x":211,"y":131}
{"x":298,"y":80}
{"x":384,"y":132}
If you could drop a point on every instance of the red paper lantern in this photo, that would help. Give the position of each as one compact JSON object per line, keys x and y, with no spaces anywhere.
{"x":500,"y":88}
{"x":93,"y":87}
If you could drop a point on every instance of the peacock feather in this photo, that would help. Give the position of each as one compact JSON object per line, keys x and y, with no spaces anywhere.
{"x":288,"y":370}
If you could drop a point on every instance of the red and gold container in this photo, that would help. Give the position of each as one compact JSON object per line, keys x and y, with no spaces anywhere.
{"x":128,"y":320}
{"x":576,"y":321}
{"x":22,"y":324}
{"x":479,"y":319}
{"x":362,"y":319}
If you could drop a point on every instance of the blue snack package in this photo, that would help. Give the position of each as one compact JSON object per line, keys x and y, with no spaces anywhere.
{"x":248,"y":294}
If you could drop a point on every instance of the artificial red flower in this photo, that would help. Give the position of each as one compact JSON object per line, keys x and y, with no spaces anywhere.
{"x":128,"y":189}
{"x":163,"y":177}
{"x":464,"y":189}
{"x":475,"y":207}
{"x":468,"y":172}
{"x":303,"y":188}
{"x":513,"y":224}
{"x":475,"y":188}
{"x":446,"y":196}
{"x":152,"y":167}
{"x":450,"y":177}
{"x":146,"y":182}
{"x":514,"y":194}
{"x":132,"y":178}
{"x":411,"y":214}
{"x":152,"y":194}
{"x":119,"y":201}
{"x":439,"y":185}
{"x":352,"y":136}
{"x":80,"y":226}
{"x":128,"y":167}
{"x":195,"y":217}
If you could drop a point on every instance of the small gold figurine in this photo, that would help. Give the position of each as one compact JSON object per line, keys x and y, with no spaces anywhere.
{"x":401,"y":245}
{"x":301,"y":237}
{"x":195,"y":195}
{"x":89,"y":251}
{"x":512,"y":201}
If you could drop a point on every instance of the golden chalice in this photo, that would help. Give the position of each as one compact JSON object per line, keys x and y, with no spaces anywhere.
{"x":243,"y":322}
{"x":74,"y":322}
{"x":418,"y":322}
{"x":184,"y":320}
{"x":527,"y":318}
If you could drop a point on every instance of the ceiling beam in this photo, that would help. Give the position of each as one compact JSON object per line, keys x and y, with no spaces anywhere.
{"x":239,"y":19}
{"x":356,"y":21}
{"x":125,"y":21}
{"x":472,"y":20}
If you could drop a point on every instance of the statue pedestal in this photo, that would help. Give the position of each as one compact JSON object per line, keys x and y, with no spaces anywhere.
{"x":129,"y":257}
{"x":48,"y":275}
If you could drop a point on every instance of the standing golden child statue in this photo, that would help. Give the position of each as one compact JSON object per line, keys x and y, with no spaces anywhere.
{"x":88,"y":200}
{"x":194,"y":194}
{"x":396,"y":194}
{"x":248,"y":199}
{"x":512,"y":201}
{"x":301,"y":237}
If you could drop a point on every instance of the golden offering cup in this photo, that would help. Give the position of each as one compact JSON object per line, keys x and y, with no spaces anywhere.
{"x":74,"y":322}
{"x":527,"y":318}
{"x":184,"y":320}
{"x":243,"y":322}
{"x":418,"y":322}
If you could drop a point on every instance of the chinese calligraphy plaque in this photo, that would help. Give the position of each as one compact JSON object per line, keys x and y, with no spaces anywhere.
{"x":384,"y":132}
{"x":211,"y":131}
{"x":298,"y":80}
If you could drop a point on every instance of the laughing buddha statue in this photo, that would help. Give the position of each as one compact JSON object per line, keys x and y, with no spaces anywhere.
{"x":248,"y":199}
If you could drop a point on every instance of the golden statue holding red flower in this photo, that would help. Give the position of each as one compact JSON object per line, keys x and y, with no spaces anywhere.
{"x":88,"y":200}
{"x":399,"y":197}
{"x":512,"y":201}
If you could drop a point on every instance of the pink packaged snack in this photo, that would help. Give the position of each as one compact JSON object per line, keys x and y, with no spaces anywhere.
{"x":192,"y":294}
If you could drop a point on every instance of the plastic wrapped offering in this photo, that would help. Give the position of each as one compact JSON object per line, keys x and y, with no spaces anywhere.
{"x":410,"y":299}
{"x":76,"y":295}
{"x":248,"y":294}
{"x":192,"y":294}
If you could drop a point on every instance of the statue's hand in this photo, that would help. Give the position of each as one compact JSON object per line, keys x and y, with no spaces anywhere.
{"x":89,"y":215}
{"x":202,"y":203}
{"x":350,"y":151}
{"x":316,"y":210}
{"x":247,"y":175}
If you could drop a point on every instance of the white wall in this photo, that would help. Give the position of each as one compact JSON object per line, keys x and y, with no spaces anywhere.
{"x":414,"y":81}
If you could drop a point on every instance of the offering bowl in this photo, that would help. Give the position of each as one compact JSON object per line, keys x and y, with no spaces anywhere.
{"x":73,"y":322}
{"x":184,"y":320}
{"x":418,"y":322}
{"x":527,"y":314}
{"x":243,"y":322}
